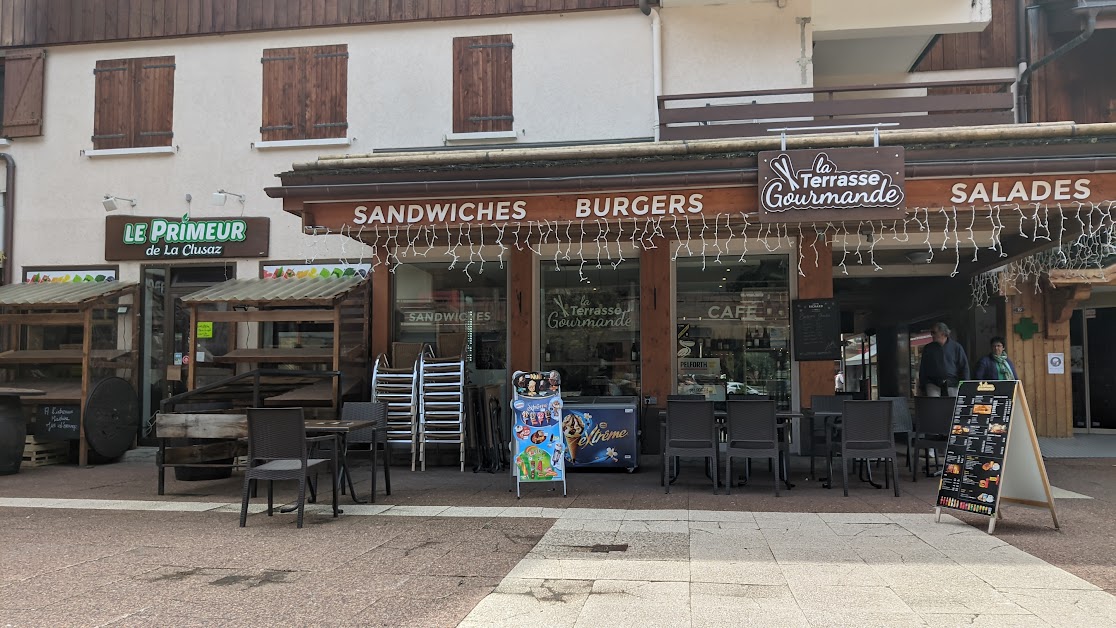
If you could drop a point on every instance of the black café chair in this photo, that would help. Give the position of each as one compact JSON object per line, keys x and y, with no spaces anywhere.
{"x":866,"y":433}
{"x":375,"y":436}
{"x":821,"y":405}
{"x":753,"y":432}
{"x":278,"y":450}
{"x":691,"y":430}
{"x":931,"y":424}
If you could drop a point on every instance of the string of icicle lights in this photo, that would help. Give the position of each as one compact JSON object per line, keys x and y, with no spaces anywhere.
{"x":725,"y":237}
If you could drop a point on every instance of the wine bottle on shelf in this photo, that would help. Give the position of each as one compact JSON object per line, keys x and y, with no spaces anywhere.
{"x":635,"y":351}
{"x":548,"y":353}
{"x":766,"y":343}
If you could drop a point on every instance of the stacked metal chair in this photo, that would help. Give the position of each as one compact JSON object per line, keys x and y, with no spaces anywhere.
{"x":441,"y":403}
{"x":398,"y":388}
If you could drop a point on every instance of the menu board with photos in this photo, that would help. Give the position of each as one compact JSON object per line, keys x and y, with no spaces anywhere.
{"x":974,"y":457}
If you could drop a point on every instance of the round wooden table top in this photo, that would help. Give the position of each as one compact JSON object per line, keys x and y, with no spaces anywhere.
{"x":20,"y":391}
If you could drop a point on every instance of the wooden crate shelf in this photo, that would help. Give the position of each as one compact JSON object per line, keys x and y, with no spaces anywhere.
{"x":39,"y":453}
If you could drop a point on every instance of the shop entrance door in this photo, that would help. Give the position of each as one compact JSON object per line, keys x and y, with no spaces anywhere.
{"x":166,"y":331}
{"x":1092,"y":336}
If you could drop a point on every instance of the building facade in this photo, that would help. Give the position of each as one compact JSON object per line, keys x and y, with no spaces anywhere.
{"x":569,"y":184}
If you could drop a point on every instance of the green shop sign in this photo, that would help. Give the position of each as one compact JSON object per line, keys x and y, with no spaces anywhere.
{"x":147,"y":238}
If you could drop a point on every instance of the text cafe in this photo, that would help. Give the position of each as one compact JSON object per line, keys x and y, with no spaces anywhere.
{"x":689,"y":276}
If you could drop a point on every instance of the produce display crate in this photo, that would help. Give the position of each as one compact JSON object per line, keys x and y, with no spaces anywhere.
{"x":39,"y":453}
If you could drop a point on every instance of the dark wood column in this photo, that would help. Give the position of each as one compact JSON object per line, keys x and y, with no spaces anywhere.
{"x":656,"y":327}
{"x":816,"y":378}
{"x":521,"y":311}
{"x":381,"y":325}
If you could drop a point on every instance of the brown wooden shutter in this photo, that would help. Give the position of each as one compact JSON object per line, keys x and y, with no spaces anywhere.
{"x":282,"y":108}
{"x":23,"y":93}
{"x":327,"y":88}
{"x":112,"y":108}
{"x":482,"y":84}
{"x":154,"y":101}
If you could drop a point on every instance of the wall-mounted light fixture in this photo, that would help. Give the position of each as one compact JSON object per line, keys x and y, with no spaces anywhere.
{"x":112,"y":203}
{"x":221,"y":196}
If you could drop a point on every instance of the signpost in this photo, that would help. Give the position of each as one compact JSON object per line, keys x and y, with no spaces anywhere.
{"x":993,"y":456}
{"x":538,"y":431}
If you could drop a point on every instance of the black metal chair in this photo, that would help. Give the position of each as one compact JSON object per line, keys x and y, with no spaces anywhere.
{"x":691,"y":430}
{"x":278,"y":450}
{"x":375,"y":436}
{"x":753,"y":432}
{"x":931,"y":424}
{"x":866,"y":433}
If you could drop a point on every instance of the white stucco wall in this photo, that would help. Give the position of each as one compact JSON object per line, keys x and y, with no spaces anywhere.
{"x":734,"y":47}
{"x":576,"y":77}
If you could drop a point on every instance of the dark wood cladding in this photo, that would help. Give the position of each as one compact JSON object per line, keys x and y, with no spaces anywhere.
{"x":56,"y":22}
{"x":993,"y":47}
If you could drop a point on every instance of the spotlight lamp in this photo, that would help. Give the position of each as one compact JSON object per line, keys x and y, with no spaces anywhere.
{"x":113,"y":203}
{"x":221,"y":196}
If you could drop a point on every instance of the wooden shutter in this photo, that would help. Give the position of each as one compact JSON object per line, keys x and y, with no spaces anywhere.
{"x":327,"y":87}
{"x":282,"y":108}
{"x":112,"y":108}
{"x":154,"y":101}
{"x":482,"y":84}
{"x":23,"y":93}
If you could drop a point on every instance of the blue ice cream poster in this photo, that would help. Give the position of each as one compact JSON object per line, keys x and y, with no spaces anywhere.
{"x":537,"y":409}
{"x":599,"y":437}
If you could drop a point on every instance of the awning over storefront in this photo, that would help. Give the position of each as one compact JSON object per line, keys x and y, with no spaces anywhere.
{"x":60,"y":294}
{"x":277,"y":292}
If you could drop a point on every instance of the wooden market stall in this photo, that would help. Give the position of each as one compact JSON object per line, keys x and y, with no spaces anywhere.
{"x":311,"y":347}
{"x":78,"y":344}
{"x":298,"y":323}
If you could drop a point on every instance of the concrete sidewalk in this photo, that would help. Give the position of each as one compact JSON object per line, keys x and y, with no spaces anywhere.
{"x":96,"y":546}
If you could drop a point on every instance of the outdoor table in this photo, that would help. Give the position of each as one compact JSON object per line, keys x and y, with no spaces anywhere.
{"x":340,"y":431}
{"x":13,"y":428}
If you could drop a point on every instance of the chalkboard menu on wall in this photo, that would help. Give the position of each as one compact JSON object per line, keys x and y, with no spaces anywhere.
{"x":60,"y":422}
{"x":817,"y":330}
{"x":978,"y":438}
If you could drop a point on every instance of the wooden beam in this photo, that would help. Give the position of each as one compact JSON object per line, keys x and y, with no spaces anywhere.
{"x":86,"y":352}
{"x":1060,"y":303}
{"x":255,"y":316}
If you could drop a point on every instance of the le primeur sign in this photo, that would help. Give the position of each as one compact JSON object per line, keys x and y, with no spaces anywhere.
{"x":831,"y":185}
{"x":148,"y":238}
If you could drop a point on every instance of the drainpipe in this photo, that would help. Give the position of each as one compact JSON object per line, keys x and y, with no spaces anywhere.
{"x":1025,"y":77}
{"x":9,"y":215}
{"x":656,"y":62}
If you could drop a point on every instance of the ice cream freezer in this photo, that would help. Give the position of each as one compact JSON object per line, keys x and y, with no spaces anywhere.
{"x":601,"y":432}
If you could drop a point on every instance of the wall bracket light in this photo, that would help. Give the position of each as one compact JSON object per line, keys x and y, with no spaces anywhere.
{"x":221,"y":196}
{"x":113,"y":203}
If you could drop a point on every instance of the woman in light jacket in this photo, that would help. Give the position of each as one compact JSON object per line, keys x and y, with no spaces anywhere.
{"x":996,"y":365}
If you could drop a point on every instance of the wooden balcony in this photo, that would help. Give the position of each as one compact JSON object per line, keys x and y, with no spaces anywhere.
{"x":824,"y":109}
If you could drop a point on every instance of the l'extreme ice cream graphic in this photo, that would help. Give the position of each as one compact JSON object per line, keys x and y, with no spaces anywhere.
{"x":573,"y":430}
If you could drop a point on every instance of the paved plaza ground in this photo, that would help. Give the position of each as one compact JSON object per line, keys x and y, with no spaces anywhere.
{"x":98,"y":547}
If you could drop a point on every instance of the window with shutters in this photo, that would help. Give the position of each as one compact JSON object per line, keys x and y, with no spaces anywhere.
{"x":482,"y":84}
{"x":305,"y":93}
{"x":134,"y":105}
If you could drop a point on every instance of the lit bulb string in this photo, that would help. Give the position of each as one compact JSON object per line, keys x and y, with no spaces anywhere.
{"x":1094,"y":240}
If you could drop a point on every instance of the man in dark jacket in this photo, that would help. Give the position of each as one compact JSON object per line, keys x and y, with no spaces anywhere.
{"x":943,"y":365}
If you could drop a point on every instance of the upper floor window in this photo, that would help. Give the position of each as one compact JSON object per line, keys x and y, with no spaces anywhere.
{"x":134,"y":103}
{"x":305,"y":93}
{"x":482,"y":84}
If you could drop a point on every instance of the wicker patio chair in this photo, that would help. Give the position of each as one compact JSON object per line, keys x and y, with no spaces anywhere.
{"x":866,"y":433}
{"x":375,"y":437}
{"x":932,"y":421}
{"x":753,"y":432}
{"x":277,"y":450}
{"x":691,"y":430}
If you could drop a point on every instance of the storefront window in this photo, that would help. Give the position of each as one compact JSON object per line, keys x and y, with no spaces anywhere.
{"x":733,"y":328}
{"x":447,"y":309}
{"x":590,"y":327}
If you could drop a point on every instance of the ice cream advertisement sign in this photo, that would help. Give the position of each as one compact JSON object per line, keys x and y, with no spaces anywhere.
{"x":537,"y":413}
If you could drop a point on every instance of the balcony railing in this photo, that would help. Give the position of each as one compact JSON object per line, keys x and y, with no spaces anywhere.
{"x":902,"y":105}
